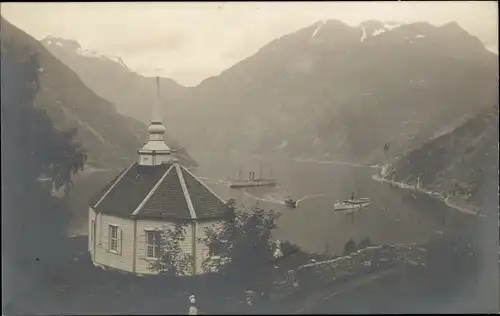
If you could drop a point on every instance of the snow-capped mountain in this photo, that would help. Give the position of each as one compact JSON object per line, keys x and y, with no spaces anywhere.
{"x":57,"y":43}
{"x":329,"y":89}
{"x":111,"y":139}
{"x":111,"y":79}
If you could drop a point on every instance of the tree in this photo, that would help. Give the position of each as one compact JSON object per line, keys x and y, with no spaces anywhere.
{"x":245,"y":240}
{"x":172,"y":260}
{"x":293,"y":256}
{"x":33,"y":221}
{"x":349,"y":247}
{"x":365,"y":243}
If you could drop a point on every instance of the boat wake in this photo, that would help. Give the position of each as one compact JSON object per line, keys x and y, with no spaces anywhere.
{"x":214,"y":181}
{"x":271,"y":198}
{"x":268,"y":200}
{"x":307,"y":197}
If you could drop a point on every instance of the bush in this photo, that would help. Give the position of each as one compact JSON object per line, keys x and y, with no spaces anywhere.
{"x":365,"y":243}
{"x":349,"y":247}
{"x":172,"y":260}
{"x":245,"y":241}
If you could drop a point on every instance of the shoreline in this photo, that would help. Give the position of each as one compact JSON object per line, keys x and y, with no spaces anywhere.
{"x":332,"y":162}
{"x":377,"y":177}
{"x":439,"y":196}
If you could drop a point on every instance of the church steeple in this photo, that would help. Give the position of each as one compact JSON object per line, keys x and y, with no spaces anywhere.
{"x":155,"y":151}
{"x":155,"y":114}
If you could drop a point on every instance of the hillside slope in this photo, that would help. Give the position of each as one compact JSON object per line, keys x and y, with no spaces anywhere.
{"x":331,"y":90}
{"x":110,"y":138}
{"x":460,"y":163}
{"x":327,"y":91}
{"x":112,"y":80}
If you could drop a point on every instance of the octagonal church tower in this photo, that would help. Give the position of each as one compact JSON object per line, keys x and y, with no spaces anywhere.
{"x":126,"y":216}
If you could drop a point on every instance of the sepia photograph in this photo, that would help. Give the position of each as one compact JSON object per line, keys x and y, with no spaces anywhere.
{"x":189,"y":158}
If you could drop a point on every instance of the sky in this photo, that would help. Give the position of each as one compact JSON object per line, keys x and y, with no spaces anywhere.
{"x":191,"y":41}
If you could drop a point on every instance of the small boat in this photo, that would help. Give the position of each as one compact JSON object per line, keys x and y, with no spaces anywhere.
{"x":351,"y":204}
{"x":290,"y":202}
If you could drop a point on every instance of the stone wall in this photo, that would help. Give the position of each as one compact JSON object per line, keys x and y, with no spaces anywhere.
{"x":364,"y":261}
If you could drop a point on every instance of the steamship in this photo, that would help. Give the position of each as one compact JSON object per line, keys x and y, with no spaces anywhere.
{"x":252,"y":181}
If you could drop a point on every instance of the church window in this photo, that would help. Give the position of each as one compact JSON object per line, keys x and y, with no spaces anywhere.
{"x":113,"y":238}
{"x":153,"y":244}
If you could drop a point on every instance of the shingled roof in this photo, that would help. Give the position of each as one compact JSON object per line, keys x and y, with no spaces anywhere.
{"x":167,"y":191}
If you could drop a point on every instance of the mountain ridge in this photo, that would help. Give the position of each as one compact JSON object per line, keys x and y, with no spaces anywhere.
{"x":457,"y":164}
{"x":128,"y":90}
{"x":301,"y":63}
{"x":110,"y":138}
{"x":327,"y":90}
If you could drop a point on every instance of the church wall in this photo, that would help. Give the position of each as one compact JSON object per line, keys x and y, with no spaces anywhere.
{"x":153,"y":160}
{"x":122,"y":259}
{"x":90,"y":233}
{"x":142,"y":262}
{"x":145,"y":160}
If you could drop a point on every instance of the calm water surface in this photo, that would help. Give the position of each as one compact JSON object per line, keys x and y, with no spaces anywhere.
{"x":394,"y":216}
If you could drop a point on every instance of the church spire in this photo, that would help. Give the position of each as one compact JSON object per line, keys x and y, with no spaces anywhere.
{"x":155,"y":151}
{"x":155,"y":114}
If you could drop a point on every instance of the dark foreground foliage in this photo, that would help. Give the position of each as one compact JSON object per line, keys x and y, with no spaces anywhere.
{"x":245,"y":243}
{"x":33,"y":220}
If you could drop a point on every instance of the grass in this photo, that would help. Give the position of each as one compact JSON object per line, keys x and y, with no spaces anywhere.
{"x":445,"y":284}
{"x":77,"y":287}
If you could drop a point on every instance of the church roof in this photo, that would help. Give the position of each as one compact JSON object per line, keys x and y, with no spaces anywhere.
{"x":166,"y":191}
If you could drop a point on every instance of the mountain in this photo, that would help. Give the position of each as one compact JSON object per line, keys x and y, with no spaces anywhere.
{"x":332,"y":91}
{"x":340,"y":91}
{"x":112,"y":80}
{"x":110,"y":138}
{"x":461,"y":163}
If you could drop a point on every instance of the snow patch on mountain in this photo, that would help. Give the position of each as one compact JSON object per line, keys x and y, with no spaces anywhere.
{"x":391,"y":25}
{"x":88,"y":53}
{"x":318,"y":28}
{"x":118,"y":60}
{"x":74,"y":46}
{"x":363,"y":36}
{"x":94,"y":54}
{"x":375,"y":28}
{"x":412,"y":38}
{"x":378,"y":32}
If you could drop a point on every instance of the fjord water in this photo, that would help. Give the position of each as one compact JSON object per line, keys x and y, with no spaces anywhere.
{"x":394,"y":215}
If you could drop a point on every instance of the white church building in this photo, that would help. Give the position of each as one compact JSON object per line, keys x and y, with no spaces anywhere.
{"x":126,"y":216}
